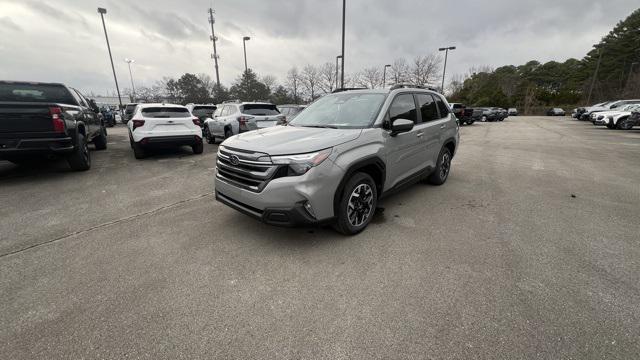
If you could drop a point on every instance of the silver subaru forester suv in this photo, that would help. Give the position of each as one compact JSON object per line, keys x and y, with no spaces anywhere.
{"x":339,"y":157}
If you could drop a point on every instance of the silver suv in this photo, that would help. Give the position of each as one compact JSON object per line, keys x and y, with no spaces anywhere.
{"x":334,"y":161}
{"x":235,"y":117}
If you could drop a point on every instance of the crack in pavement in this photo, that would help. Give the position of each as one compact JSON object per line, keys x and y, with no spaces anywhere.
{"x":107,"y":224}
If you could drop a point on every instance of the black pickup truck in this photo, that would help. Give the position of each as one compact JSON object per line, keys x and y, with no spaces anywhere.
{"x":48,"y":120}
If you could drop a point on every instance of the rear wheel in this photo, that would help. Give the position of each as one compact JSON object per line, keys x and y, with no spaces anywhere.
{"x":198,"y":147}
{"x":441,"y":174}
{"x":80,"y":159}
{"x":138,"y":151}
{"x":357,"y":205}
{"x":470,"y":122}
{"x":100,"y":141}
{"x":209,"y":136}
{"x":484,"y":118}
{"x":228,"y":133}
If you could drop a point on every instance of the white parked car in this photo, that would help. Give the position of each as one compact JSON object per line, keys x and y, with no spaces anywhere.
{"x":234,"y":117}
{"x":611,"y":119}
{"x":163,"y":125}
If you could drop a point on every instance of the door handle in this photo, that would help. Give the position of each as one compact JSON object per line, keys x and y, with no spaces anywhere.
{"x":420,"y":134}
{"x":443,"y":126}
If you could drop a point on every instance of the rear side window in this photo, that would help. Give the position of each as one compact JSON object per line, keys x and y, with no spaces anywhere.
{"x":203,"y":111}
{"x":442,"y":107}
{"x":259,"y":109}
{"x":428,"y":107}
{"x":129,"y":108}
{"x":35,"y":93}
{"x":403,"y":107}
{"x":165,"y":112}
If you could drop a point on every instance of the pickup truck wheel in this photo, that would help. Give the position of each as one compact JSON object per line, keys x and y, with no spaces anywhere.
{"x":80,"y":159}
{"x":440,"y":175}
{"x":198,"y":147}
{"x":100,"y":141}
{"x":228,"y":133}
{"x":357,"y":204}
{"x":207,"y":134}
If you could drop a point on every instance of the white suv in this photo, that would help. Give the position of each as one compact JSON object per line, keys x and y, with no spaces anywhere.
{"x":234,"y":117}
{"x":163,"y":125}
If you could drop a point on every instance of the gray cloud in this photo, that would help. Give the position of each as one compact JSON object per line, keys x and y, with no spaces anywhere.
{"x":169,"y":37}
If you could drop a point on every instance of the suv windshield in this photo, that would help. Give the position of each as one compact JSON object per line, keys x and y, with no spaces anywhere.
{"x":200,"y":111}
{"x":342,"y":110}
{"x":165,"y":112}
{"x":259,"y":109}
{"x":35,"y":93}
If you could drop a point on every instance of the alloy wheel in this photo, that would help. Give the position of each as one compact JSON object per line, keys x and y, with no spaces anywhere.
{"x":360,"y":205}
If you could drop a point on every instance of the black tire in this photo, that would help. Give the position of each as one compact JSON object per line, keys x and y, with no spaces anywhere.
{"x":610,"y":125}
{"x":80,"y":158}
{"x":357,"y":204}
{"x":470,"y":122}
{"x":100,"y":141}
{"x":227,"y":133}
{"x":138,"y":151}
{"x":198,"y":147}
{"x":624,"y":124}
{"x":441,"y":173}
{"x":209,"y":136}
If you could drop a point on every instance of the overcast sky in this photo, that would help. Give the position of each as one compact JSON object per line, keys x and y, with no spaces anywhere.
{"x":63,"y":40}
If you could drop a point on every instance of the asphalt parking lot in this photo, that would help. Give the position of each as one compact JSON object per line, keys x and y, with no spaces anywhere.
{"x":530,"y":250}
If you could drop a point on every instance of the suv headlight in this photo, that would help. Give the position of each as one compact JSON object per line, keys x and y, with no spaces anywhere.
{"x":299,"y":164}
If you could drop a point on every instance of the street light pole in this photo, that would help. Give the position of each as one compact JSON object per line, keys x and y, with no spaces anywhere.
{"x":244,"y":44}
{"x":215,"y":52}
{"x":595,"y":75}
{"x":133,"y":87}
{"x":384,"y":75}
{"x":344,"y":8}
{"x":446,"y":55}
{"x":337,"y":57}
{"x":103,"y":11}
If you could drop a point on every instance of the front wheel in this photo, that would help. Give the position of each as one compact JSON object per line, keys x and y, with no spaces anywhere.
{"x":80,"y":159}
{"x":441,"y":174}
{"x":357,"y":204}
{"x":209,"y":136}
{"x":484,"y":118}
{"x":624,"y":124}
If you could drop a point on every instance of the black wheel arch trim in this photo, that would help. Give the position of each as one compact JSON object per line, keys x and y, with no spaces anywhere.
{"x":355,"y":167}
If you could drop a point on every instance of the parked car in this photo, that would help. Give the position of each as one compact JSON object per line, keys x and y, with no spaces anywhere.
{"x":48,"y":120}
{"x":463,"y":113}
{"x":338,"y":157}
{"x":162,"y":125}
{"x":629,"y":122}
{"x":108,"y":116}
{"x":489,"y":114}
{"x":581,"y":110}
{"x":586,"y":115}
{"x":129,"y":109}
{"x":501,"y":113}
{"x":555,"y":112}
{"x":512,"y":112}
{"x":290,"y":112}
{"x":613,"y":118}
{"x":202,"y":111}
{"x":235,"y":117}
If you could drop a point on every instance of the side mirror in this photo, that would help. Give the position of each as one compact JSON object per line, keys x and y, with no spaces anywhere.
{"x":400,"y":126}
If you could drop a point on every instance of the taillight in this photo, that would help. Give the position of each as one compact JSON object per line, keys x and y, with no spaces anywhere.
{"x":137,"y":123}
{"x":242,"y":121}
{"x":196,"y":121}
{"x":56,"y":119}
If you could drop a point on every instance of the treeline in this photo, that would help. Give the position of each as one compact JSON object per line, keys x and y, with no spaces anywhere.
{"x":534,"y":85}
{"x":301,"y":85}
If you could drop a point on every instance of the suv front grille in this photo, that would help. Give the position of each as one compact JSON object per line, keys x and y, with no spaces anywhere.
{"x":249,"y":171}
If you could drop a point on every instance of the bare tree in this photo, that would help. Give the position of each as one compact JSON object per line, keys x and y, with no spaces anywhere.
{"x":399,"y":71}
{"x":294,"y":80}
{"x":425,"y":69}
{"x":370,"y":77}
{"x":327,"y":77}
{"x":271,"y":82}
{"x":311,"y":80}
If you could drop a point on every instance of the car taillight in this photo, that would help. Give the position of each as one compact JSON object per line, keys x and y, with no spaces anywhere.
{"x":242,"y":121}
{"x":56,"y":119}
{"x":196,"y":121}
{"x":137,"y":123}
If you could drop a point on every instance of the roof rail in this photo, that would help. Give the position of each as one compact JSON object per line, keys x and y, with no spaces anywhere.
{"x":413,"y":86}
{"x":347,"y":89}
{"x":231,"y":101}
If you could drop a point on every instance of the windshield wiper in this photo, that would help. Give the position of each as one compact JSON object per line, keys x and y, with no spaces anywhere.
{"x":321,"y":126}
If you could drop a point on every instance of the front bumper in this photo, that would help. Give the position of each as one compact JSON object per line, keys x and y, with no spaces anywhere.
{"x":281,"y":201}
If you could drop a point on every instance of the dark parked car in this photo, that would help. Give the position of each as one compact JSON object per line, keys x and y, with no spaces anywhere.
{"x":48,"y":120}
{"x":555,"y":112}
{"x":129,"y":110}
{"x":630,"y":122}
{"x":463,"y":113}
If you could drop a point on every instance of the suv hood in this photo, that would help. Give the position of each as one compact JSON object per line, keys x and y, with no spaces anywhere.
{"x":286,"y":140}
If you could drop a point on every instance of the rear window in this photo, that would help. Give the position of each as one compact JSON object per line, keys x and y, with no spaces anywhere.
{"x":165,"y":112}
{"x":35,"y":93}
{"x":203,"y":111}
{"x":259,"y":109}
{"x":129,"y":108}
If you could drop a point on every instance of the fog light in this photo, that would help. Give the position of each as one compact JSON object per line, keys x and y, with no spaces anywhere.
{"x":307,"y":206}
